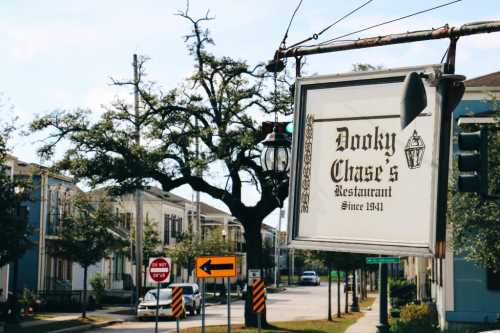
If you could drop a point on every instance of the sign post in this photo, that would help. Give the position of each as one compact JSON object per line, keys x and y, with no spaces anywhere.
{"x":228,"y":305}
{"x":159,"y":272}
{"x":258,"y":300}
{"x":202,"y":305}
{"x":213,"y":267}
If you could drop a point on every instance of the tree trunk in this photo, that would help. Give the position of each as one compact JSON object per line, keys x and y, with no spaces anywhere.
{"x":253,"y":240}
{"x":338,"y":294}
{"x":355,"y":304}
{"x":346,"y":287}
{"x":329,"y":293}
{"x":84,"y":301}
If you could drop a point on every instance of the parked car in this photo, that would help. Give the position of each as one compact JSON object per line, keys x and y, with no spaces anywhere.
{"x":192,"y":297}
{"x":309,"y":277}
{"x":147,"y":305}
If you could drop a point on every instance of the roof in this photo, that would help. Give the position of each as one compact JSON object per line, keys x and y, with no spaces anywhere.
{"x":488,"y":80}
{"x":210,"y":210}
{"x":25,"y":168}
{"x":165,"y":195}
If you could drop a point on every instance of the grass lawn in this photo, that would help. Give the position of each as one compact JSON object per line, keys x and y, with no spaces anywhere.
{"x":338,"y":325}
{"x":368,"y":302}
{"x":56,"y":325}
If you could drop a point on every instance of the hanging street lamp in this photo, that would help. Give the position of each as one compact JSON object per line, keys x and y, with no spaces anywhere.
{"x":276,"y":155}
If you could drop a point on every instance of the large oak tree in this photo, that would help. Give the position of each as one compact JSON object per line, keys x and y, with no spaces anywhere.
{"x":220,"y":106}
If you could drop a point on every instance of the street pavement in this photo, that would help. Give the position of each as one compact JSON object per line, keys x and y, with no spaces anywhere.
{"x":296,"y":303}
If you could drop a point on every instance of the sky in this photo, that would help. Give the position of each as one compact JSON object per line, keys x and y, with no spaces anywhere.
{"x":61,"y":54}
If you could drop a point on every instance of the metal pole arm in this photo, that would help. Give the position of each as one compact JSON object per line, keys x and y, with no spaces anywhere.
{"x":407,"y":37}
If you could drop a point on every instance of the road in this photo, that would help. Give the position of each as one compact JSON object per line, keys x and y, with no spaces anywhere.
{"x":297,"y":303}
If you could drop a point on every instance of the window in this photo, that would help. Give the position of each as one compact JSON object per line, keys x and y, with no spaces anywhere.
{"x":118,"y":267}
{"x":492,"y":280}
{"x":179,"y":225}
{"x":166,"y":229}
{"x":128,"y":220}
{"x":174,"y":226}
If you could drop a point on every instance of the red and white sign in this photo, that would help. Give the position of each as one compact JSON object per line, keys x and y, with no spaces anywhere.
{"x":159,"y":269}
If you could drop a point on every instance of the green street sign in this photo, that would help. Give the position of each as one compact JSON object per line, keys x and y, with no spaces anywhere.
{"x":382,"y":260}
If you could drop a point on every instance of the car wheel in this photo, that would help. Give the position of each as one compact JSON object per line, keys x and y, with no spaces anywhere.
{"x":198,"y":310}
{"x":192,"y":310}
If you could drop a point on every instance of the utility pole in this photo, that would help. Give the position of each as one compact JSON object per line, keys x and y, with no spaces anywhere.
{"x":198,"y":173}
{"x":138,"y":192}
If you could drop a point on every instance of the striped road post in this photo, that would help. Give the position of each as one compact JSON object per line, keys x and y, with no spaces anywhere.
{"x":258,"y":300}
{"x":177,"y":308}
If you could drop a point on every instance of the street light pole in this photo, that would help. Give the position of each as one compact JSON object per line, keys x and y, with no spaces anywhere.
{"x":277,"y":251}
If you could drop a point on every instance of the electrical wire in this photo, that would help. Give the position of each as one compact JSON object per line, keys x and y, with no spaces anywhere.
{"x":316,"y":35}
{"x":285,"y":36}
{"x":390,"y":21}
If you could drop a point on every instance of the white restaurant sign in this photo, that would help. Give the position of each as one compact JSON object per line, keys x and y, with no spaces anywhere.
{"x":359,"y":183}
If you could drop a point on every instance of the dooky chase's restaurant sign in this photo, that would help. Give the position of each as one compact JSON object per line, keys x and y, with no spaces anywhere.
{"x":359,"y":182}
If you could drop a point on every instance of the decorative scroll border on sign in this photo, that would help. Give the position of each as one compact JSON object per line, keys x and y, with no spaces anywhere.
{"x":306,"y":170}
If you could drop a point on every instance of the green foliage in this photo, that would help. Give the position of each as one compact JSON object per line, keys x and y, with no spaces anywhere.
{"x":402,"y":292}
{"x":151,"y":242}
{"x":416,"y":319}
{"x":340,"y":260}
{"x":475,"y":221}
{"x":15,"y":235}
{"x":98,"y":287}
{"x":87,"y":234}
{"x":27,"y":298}
{"x":188,"y":247}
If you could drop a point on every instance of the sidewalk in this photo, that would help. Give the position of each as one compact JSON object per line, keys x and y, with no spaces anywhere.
{"x":367,"y":323}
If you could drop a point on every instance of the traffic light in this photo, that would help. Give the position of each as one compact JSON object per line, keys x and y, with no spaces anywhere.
{"x":473,"y":161}
{"x":281,"y":127}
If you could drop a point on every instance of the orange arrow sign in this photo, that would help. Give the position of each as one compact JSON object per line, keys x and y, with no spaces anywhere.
{"x":216,"y":266}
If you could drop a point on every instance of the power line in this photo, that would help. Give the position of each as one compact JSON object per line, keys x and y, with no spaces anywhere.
{"x":285,"y":36}
{"x":390,"y":21}
{"x":316,"y":35}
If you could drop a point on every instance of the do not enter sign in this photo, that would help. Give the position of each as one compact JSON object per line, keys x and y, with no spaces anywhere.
{"x":159,"y":269}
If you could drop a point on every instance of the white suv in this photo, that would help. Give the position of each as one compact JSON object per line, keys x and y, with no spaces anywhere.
{"x":310,"y":277}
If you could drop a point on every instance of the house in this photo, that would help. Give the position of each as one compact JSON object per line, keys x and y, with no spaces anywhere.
{"x":49,"y":201}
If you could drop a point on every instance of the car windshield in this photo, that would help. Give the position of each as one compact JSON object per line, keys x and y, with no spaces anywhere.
{"x":187,"y":290}
{"x":165,"y":294}
{"x":309,"y":273}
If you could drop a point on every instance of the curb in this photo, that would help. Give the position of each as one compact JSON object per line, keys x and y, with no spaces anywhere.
{"x":82,"y":328}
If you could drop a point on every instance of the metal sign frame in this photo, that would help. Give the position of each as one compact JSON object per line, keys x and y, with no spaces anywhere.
{"x":301,"y":121}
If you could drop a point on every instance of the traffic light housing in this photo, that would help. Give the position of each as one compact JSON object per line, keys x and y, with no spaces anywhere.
{"x":285,"y":127}
{"x":473,"y":162}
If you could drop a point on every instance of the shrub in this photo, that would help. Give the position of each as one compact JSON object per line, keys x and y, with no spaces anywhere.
{"x":402,"y":292}
{"x":27,"y":298}
{"x":416,"y":319}
{"x":98,"y":287}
